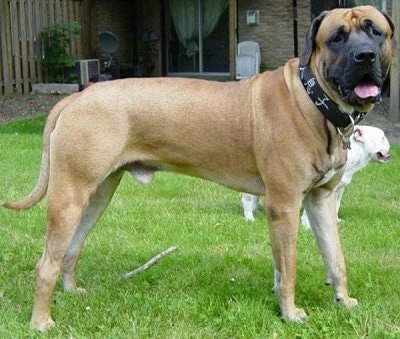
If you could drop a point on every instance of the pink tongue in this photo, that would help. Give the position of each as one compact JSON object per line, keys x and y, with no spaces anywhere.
{"x":366,"y":90}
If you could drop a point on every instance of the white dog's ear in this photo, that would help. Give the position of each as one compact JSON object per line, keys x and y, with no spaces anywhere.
{"x":358,"y":135}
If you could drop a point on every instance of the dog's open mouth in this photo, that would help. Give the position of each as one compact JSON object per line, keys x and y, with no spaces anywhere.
{"x":364,"y":91}
{"x":367,"y":89}
{"x":382,"y":157}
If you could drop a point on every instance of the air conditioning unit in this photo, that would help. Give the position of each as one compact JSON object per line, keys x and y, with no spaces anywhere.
{"x":87,"y":69}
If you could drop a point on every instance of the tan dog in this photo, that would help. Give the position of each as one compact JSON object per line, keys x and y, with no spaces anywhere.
{"x":263,"y":135}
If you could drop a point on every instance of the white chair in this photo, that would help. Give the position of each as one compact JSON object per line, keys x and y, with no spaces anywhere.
{"x":247,"y":59}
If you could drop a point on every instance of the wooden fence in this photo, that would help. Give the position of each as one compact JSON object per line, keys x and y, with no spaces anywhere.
{"x":21,"y":22}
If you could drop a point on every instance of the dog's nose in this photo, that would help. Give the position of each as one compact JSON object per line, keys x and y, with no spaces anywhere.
{"x":364,"y":55}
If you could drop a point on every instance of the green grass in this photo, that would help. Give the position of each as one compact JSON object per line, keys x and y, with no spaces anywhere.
{"x":217,"y":285}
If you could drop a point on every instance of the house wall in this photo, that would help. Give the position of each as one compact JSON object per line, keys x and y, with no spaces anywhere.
{"x":275,"y":30}
{"x":129,"y":19}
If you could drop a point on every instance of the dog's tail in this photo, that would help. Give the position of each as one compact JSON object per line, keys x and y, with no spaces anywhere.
{"x":40,"y":188}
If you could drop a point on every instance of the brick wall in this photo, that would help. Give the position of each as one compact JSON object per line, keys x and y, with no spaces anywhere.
{"x":117,"y":17}
{"x":275,"y":31}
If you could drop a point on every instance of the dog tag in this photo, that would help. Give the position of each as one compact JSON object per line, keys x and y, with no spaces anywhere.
{"x":346,"y":143}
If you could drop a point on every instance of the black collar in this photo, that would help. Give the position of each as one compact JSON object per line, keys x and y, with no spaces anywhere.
{"x":325,"y":104}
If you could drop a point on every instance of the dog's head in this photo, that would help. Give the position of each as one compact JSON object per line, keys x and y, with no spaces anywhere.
{"x":372,"y":142}
{"x":349,"y":50}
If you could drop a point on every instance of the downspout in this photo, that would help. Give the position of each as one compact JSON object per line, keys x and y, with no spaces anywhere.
{"x":295,"y":33}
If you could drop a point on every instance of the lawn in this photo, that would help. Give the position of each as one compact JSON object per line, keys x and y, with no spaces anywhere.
{"x":218,"y":283}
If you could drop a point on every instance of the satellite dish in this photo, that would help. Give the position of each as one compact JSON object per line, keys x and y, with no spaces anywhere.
{"x":108,"y":42}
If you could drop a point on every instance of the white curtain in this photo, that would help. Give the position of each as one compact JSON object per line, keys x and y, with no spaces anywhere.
{"x":185,"y":16}
{"x":212,"y":10}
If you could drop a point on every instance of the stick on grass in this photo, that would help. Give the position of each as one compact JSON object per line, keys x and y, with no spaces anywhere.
{"x":151,"y":262}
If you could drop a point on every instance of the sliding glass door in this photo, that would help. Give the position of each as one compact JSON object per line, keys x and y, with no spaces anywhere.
{"x":197,"y":37}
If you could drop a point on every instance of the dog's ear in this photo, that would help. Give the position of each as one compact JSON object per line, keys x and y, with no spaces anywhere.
{"x":358,"y":134}
{"x":390,"y":22}
{"x":310,"y":44}
{"x":386,"y":84}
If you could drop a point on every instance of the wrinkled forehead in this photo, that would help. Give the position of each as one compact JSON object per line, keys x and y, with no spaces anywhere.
{"x":350,"y":19}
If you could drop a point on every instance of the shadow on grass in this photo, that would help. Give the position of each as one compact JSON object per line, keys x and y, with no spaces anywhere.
{"x":24,"y":126}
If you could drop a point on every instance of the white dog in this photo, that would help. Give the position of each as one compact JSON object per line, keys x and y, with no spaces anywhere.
{"x":367,"y":144}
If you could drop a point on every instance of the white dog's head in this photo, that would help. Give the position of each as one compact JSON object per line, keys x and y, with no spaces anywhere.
{"x":374,"y":143}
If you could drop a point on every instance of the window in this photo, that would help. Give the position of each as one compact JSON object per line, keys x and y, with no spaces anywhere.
{"x":380,"y":4}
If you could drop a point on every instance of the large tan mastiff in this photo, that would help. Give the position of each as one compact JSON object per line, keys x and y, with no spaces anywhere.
{"x":264,"y":135}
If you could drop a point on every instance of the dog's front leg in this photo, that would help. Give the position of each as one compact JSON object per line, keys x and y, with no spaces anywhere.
{"x":283,"y":226}
{"x":321,"y":210}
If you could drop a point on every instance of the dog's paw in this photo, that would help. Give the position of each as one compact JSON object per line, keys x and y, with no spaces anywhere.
{"x":346,"y":302}
{"x":79,"y":291}
{"x":295,"y":315}
{"x":248,"y":216}
{"x":76,"y":290}
{"x":42,"y":325}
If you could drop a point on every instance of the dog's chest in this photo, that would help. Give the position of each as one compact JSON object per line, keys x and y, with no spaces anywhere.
{"x":331,"y":172}
{"x":327,"y":177}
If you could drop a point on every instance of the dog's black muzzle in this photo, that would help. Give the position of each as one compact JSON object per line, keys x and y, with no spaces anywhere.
{"x":359,"y":78}
{"x":364,"y":55}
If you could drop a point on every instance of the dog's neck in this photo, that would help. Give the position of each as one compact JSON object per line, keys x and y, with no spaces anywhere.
{"x":330,"y":110}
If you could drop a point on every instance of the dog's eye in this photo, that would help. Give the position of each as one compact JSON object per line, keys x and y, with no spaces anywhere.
{"x":376,"y":33}
{"x":372,"y":31}
{"x":338,"y":38}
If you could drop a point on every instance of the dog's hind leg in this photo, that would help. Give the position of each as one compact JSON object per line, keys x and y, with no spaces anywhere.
{"x":98,"y":202}
{"x":63,"y":216}
{"x":250,"y":204}
{"x":338,"y":197}
{"x":67,"y":204}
